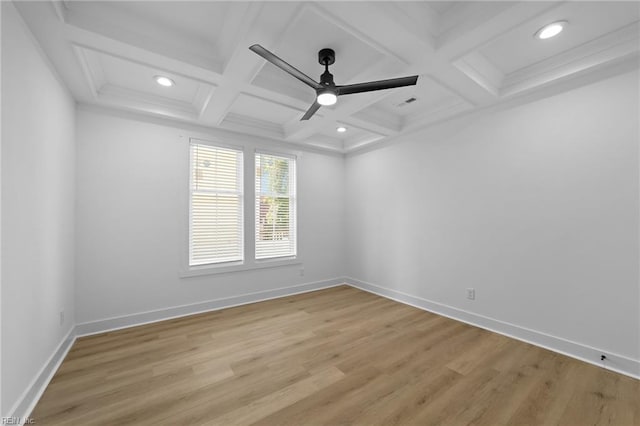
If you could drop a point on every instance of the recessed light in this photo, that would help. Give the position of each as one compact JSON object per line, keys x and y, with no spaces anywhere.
{"x":341,"y":129}
{"x":164,"y":81}
{"x":550,"y":30}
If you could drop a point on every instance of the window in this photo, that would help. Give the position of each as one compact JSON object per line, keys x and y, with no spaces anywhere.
{"x":216,"y":205}
{"x":275,"y":214}
{"x":222,"y":235}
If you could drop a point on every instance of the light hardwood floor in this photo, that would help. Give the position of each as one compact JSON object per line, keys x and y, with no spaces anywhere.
{"x":331,"y":357}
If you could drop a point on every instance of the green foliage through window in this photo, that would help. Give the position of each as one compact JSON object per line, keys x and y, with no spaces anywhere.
{"x":275,"y":206}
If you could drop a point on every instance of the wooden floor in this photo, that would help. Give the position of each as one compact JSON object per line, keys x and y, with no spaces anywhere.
{"x":332,"y":357}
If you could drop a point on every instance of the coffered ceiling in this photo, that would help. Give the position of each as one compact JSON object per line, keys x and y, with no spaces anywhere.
{"x":468,"y":55}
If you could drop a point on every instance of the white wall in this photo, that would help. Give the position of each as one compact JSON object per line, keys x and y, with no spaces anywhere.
{"x":1,"y":407}
{"x":536,"y":207}
{"x":132,"y":206}
{"x":38,"y":185}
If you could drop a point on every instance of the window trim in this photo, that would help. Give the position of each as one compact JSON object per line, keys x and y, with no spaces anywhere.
{"x":249,"y":263}
{"x":240,"y":149}
{"x":295,"y":205}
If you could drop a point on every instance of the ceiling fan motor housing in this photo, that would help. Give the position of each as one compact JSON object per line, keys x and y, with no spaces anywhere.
{"x":326,"y":57}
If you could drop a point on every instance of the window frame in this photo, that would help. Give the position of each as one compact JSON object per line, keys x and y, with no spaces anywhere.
{"x":242,"y":198}
{"x":249,"y":151}
{"x":295,"y":204}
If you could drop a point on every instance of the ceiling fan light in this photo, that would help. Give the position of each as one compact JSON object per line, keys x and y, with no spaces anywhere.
{"x":327,"y":97}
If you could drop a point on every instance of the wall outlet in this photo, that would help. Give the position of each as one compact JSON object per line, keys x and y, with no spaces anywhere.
{"x":471,"y":293}
{"x":302,"y":272}
{"x":61,"y":317}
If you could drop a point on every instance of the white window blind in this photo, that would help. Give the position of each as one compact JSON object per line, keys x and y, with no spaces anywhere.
{"x":216,"y":205}
{"x":275,"y":206}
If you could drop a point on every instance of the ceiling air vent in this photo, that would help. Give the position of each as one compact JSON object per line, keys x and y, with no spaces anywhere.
{"x":407,"y":101}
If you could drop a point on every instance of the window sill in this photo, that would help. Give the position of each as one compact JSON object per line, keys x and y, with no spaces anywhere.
{"x":196,"y":271}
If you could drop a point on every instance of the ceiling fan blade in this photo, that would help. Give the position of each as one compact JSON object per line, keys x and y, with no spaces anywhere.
{"x":312,"y":110}
{"x":284,"y":66}
{"x":377,"y":85}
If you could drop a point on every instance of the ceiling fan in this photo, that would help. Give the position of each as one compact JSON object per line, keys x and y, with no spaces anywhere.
{"x":326,"y":90}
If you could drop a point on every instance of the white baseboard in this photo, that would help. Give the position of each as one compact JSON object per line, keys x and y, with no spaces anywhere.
{"x":27,"y":402}
{"x":614,"y":362}
{"x":116,"y":323}
{"x":29,"y":398}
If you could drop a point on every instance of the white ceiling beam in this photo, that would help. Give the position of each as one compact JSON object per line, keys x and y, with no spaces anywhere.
{"x":239,"y":71}
{"x":414,"y":47}
{"x":277,"y":97}
{"x":488,"y":23}
{"x":374,"y":29}
{"x":412,"y":17}
{"x":244,"y":65}
{"x":87,"y":39}
{"x":399,"y":53}
{"x":376,"y":120}
{"x":477,"y":67}
{"x":61,"y":9}
{"x":296,"y":130}
{"x":410,"y":38}
{"x":469,"y":27}
{"x":613,"y":47}
{"x":132,"y":30}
